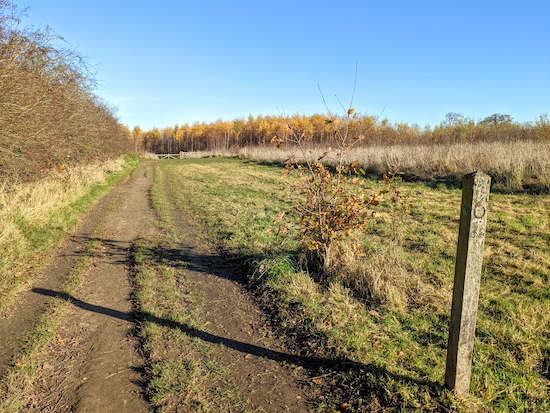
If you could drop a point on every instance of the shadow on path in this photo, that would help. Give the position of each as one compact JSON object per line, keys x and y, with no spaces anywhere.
{"x":314,"y":364}
{"x":190,"y":331}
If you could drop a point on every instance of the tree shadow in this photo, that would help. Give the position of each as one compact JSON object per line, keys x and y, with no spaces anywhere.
{"x":350,"y":379}
{"x":315,"y":365}
{"x":157,"y":254}
{"x":113,"y":247}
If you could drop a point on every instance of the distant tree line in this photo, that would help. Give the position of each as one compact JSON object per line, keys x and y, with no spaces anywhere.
{"x":258,"y":131}
{"x":49,"y":114}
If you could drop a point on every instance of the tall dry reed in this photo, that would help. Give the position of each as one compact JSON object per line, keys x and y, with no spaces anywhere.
{"x":512,"y":165}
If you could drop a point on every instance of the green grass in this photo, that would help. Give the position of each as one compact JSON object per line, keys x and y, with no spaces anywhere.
{"x":39,"y":237}
{"x":17,"y":382}
{"x":391,"y":345}
{"x":181,"y":376}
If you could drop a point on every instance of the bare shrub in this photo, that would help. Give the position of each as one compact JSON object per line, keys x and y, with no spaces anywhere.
{"x":49,"y":115}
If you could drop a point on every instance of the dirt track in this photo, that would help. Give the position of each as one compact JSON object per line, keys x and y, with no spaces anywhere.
{"x":94,"y":365}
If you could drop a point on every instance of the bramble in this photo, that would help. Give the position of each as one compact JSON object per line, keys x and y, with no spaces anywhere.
{"x":332,"y":204}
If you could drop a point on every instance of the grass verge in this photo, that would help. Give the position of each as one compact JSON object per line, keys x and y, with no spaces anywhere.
{"x":391,"y":341}
{"x":36,"y":218}
{"x":17,"y":382}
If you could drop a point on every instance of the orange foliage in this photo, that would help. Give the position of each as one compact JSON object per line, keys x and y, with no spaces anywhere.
{"x":260,"y":130}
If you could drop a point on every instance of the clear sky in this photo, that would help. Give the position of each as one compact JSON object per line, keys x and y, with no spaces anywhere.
{"x":165,"y":62}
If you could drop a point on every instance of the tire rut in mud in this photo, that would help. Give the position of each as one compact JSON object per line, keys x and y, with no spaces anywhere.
{"x":94,"y":365}
{"x":256,"y":359}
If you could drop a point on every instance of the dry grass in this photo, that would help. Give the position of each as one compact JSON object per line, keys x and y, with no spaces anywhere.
{"x":383,"y":277}
{"x":36,"y":201}
{"x":147,"y":155}
{"x":512,"y":165}
{"x":35,"y":217}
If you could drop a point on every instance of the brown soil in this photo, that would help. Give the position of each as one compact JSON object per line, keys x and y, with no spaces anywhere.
{"x":94,"y":365}
{"x":17,"y":320}
{"x":254,"y":355}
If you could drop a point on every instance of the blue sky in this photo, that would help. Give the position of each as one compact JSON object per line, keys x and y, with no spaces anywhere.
{"x":166,"y":62}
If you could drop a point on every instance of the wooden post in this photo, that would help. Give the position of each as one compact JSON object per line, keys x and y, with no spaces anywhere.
{"x":469,"y":258}
{"x":181,"y":155}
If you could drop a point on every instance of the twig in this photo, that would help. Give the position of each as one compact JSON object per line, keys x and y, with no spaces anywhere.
{"x":318,"y":377}
{"x":354,"y":87}
{"x":324,"y":101}
{"x":114,"y":374}
{"x":57,"y":404}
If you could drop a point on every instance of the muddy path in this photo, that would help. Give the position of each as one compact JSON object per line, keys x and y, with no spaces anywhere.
{"x":95,"y":364}
{"x":257,"y":360}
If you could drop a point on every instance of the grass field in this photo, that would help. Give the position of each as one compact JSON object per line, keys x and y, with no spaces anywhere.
{"x":385,"y":316}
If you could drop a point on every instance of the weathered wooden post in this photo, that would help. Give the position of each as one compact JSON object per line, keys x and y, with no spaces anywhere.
{"x":181,"y":155}
{"x":469,"y":258}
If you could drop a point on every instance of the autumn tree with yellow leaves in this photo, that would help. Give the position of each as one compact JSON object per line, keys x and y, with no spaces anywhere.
{"x":258,"y":131}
